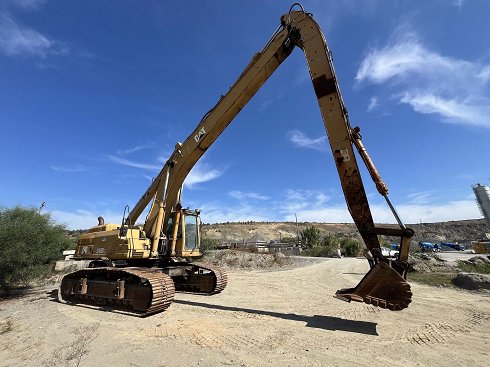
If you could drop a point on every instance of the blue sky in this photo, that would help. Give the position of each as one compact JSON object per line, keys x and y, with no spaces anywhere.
{"x":95,"y":94}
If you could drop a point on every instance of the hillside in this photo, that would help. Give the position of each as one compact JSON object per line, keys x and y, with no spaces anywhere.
{"x":463,"y":231}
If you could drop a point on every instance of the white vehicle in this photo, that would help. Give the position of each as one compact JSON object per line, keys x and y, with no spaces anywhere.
{"x":387,"y":252}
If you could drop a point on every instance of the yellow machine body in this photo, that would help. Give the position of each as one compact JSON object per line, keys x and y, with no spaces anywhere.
{"x":109,"y":241}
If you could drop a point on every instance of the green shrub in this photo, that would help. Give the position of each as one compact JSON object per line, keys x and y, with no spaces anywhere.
{"x":208,"y":244}
{"x":310,"y":237}
{"x":289,"y":239}
{"x":479,"y":268}
{"x":351,"y":246}
{"x":29,"y":242}
{"x":328,"y":244}
{"x":318,"y":251}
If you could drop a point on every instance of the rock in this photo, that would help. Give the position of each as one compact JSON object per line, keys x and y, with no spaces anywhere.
{"x":479,"y":260}
{"x":70,"y":265}
{"x":420,"y":267}
{"x":472,"y":281}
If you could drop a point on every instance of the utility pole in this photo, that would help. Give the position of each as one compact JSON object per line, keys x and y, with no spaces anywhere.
{"x":297,"y":231}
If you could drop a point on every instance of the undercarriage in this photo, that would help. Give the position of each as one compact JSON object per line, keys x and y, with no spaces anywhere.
{"x":139,"y":291}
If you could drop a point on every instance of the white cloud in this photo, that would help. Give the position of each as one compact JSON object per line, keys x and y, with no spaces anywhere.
{"x":217,"y":213}
{"x":28,"y":4}
{"x":316,"y":206}
{"x":438,"y":212}
{"x":419,"y":197}
{"x":332,"y":214}
{"x":16,"y":39}
{"x":75,"y":168}
{"x":410,"y":213}
{"x":133,"y":149}
{"x":267,"y":102}
{"x":373,"y":103}
{"x":202,"y":172}
{"x":458,"y":3}
{"x":451,"y":110}
{"x":484,"y":74}
{"x":19,"y":40}
{"x":336,"y":213}
{"x":130,"y":163}
{"x":301,"y":140}
{"x":82,"y":219}
{"x":402,"y":57}
{"x":455,"y":90}
{"x":247,"y":195}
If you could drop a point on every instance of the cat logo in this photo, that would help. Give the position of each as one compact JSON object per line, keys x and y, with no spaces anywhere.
{"x":199,"y":135}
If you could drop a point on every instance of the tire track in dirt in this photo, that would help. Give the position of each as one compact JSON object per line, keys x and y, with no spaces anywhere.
{"x":431,"y":333}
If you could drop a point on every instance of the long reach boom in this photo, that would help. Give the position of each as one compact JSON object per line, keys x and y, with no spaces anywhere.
{"x":169,"y":241}
{"x":298,"y":29}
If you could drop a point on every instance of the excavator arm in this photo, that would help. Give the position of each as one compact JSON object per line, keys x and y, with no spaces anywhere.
{"x":385,"y":283}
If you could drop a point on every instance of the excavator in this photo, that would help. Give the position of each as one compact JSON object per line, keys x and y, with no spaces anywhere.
{"x":137,"y":269}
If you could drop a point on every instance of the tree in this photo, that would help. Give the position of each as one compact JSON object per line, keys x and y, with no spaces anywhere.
{"x":208,"y":244}
{"x":29,"y":242}
{"x":351,"y":246}
{"x":289,"y":239}
{"x":310,"y":237}
{"x":330,"y":243}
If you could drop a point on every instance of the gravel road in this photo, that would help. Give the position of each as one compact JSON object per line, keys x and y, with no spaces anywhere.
{"x":454,"y":256}
{"x":263,"y":318}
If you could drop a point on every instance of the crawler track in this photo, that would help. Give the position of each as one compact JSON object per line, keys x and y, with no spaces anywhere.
{"x":135,"y":291}
{"x":202,"y":279}
{"x":221,"y":278}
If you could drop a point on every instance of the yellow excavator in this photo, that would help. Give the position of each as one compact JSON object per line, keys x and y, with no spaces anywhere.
{"x":137,"y":269}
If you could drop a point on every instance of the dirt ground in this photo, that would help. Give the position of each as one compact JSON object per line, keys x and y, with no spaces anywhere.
{"x":263,"y":318}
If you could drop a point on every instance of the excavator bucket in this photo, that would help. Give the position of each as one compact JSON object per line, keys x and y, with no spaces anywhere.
{"x":382,"y":286}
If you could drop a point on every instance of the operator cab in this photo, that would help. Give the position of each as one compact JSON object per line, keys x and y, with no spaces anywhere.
{"x":185,"y":240}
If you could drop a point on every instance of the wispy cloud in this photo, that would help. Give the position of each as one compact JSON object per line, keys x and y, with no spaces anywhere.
{"x":75,"y":168}
{"x":455,"y":90}
{"x":458,"y":3}
{"x":130,"y":163}
{"x":202,"y":172}
{"x":419,"y":207}
{"x":299,"y":139}
{"x":299,"y":200}
{"x":83,"y":219}
{"x":240,"y":195}
{"x":307,"y":211}
{"x":373,"y":103}
{"x":435,"y":212}
{"x":27,"y":4}
{"x":452,"y":110}
{"x":422,"y":197}
{"x":268,"y":101}
{"x":133,"y":149}
{"x":217,"y":213}
{"x":19,"y":40}
{"x":318,"y":206}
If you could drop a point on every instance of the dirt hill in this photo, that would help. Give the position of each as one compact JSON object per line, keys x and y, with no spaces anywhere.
{"x":463,"y":231}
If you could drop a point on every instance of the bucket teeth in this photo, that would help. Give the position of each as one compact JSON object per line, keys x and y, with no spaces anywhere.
{"x":382,"y":286}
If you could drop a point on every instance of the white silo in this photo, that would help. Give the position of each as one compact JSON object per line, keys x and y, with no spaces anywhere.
{"x":482,"y":193}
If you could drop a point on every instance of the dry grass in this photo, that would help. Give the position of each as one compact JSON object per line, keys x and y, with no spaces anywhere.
{"x":74,"y":353}
{"x":479,"y":268}
{"x":442,"y":279}
{"x":6,"y":326}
